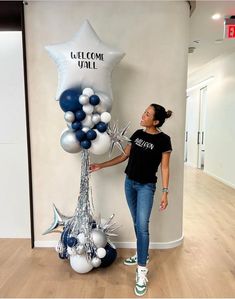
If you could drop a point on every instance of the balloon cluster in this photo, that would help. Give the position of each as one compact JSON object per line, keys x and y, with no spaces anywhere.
{"x":87,"y":119}
{"x":84,"y":241}
{"x":87,"y":252}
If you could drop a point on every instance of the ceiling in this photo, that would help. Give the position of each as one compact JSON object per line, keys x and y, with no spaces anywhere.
{"x":207,"y":31}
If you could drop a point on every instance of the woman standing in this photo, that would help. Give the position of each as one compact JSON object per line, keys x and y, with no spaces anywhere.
{"x":147,"y":150}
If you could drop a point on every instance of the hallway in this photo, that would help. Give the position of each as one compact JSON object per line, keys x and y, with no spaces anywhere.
{"x":204,"y":266}
{"x":209,"y":230}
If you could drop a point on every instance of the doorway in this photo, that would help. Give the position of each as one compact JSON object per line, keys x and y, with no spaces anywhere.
{"x":201,"y":128}
{"x":195,"y":127}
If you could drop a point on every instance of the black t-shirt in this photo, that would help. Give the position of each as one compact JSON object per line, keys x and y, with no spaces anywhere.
{"x":146,"y":155}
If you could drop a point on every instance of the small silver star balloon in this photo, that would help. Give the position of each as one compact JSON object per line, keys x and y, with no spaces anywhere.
{"x":117,"y":136}
{"x":58,"y":223}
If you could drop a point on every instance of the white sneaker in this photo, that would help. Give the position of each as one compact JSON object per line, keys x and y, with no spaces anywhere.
{"x":133,"y":260}
{"x":141,"y":281}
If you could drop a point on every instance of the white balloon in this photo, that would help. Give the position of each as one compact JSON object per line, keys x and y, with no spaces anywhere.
{"x":88,"y":108}
{"x":105,"y":117}
{"x":80,"y":264}
{"x":96,"y":118}
{"x":105,"y":103}
{"x":96,"y":262}
{"x":87,"y":122}
{"x":69,"y":116}
{"x":85,"y":61}
{"x":101,"y":252}
{"x":85,"y":129}
{"x":83,"y":99}
{"x":88,"y":91}
{"x":101,"y":144}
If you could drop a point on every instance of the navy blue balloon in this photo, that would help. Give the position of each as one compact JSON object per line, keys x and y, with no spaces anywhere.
{"x":110,"y":256}
{"x":80,"y":115}
{"x":85,"y":144}
{"x":69,"y":100}
{"x":91,"y":135}
{"x":77,"y":125}
{"x":101,"y":127}
{"x":64,"y":237}
{"x":72,"y":241}
{"x":80,"y":135}
{"x":93,"y":224}
{"x":94,"y":100}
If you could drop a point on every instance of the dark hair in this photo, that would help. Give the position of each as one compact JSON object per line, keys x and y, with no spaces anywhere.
{"x":160,"y":114}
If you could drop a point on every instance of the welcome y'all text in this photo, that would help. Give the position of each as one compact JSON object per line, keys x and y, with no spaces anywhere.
{"x":87,"y":59}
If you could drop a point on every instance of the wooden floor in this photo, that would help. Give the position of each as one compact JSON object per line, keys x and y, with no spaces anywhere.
{"x":204,"y":266}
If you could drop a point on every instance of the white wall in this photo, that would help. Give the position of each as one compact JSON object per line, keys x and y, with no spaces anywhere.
{"x":14,"y":196}
{"x":220,"y":129}
{"x":153,"y":70}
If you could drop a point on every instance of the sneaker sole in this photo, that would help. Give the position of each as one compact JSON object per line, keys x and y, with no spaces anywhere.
{"x":140,"y":295}
{"x":131,"y":264}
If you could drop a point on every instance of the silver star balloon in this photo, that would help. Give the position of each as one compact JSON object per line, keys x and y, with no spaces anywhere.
{"x":117,"y":136}
{"x":58,"y":223}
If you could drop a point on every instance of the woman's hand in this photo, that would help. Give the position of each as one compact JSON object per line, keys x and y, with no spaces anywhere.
{"x":164,"y":202}
{"x":94,"y":167}
{"x":119,"y":159}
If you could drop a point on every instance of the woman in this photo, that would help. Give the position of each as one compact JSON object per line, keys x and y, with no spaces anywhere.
{"x":147,"y":149}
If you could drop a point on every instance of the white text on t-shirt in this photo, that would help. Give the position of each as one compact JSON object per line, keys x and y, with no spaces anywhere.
{"x":144,"y":144}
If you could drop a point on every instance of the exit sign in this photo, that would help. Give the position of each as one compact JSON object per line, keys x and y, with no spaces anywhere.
{"x":229,"y":28}
{"x":231,"y":31}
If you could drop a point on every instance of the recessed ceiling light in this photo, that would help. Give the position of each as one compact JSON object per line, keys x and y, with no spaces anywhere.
{"x":216,"y":16}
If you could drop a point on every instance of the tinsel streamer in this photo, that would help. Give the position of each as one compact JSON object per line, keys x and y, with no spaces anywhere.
{"x":82,"y":219}
{"x":90,"y":189}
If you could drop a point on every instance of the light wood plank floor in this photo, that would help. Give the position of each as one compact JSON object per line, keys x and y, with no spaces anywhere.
{"x":204,"y":266}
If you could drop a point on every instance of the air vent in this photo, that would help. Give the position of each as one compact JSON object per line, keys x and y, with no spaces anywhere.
{"x":191,"y":49}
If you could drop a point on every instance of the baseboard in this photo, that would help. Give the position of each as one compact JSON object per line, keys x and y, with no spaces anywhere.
{"x":45,"y":244}
{"x":219,"y":179}
{"x":153,"y":245}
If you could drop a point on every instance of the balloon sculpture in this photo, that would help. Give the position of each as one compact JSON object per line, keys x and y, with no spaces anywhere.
{"x":84,"y":92}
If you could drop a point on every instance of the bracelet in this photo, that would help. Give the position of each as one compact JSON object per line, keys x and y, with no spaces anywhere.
{"x":165,"y":190}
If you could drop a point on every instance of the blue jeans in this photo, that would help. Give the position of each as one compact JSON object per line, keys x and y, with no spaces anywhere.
{"x":140,"y":201}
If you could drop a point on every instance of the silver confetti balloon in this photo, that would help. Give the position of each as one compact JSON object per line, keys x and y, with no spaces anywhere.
{"x":69,"y":142}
